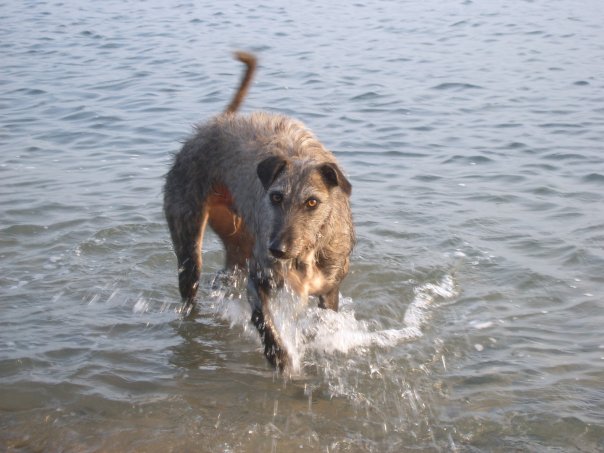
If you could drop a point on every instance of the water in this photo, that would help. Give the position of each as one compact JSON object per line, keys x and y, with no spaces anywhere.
{"x":472,"y":317}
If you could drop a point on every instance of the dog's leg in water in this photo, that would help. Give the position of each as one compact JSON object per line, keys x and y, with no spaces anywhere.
{"x":259,"y":293}
{"x":187,"y":232}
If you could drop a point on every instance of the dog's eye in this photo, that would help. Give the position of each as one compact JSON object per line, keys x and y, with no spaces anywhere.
{"x":311,"y":203}
{"x":276,"y":198}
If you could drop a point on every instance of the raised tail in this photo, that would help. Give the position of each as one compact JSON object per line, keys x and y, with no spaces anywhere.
{"x":250,"y":62}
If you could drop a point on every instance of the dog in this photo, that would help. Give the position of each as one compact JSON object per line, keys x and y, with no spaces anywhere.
{"x":275,"y":196}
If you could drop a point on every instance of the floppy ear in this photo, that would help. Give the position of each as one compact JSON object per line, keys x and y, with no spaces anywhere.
{"x":333,"y":177}
{"x":269,"y":169}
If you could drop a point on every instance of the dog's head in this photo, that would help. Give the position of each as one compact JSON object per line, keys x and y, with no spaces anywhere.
{"x":306,"y":201}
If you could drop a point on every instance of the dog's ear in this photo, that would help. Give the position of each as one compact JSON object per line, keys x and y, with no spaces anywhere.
{"x":333,"y":177}
{"x":269,"y":169}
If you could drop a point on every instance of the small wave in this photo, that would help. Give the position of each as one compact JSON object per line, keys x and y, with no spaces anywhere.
{"x":368,"y":95}
{"x":560,"y":126}
{"x":515,"y":145}
{"x":456,"y":86}
{"x":594,"y":178}
{"x":471,"y":160}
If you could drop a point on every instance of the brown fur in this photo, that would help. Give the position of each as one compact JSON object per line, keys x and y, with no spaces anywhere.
{"x":276,"y":198}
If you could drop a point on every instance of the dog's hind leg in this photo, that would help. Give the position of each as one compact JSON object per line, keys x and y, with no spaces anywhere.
{"x":187,"y":235}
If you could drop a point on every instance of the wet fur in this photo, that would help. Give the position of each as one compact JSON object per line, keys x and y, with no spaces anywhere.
{"x":227,"y":174}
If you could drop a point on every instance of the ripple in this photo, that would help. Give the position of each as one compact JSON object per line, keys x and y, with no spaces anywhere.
{"x":560,"y":126}
{"x":452,"y":86}
{"x":564,"y":156}
{"x":597,"y":178}
{"x":427,"y":178}
{"x":468,"y":160}
{"x":508,"y":125}
{"x":367,"y":96}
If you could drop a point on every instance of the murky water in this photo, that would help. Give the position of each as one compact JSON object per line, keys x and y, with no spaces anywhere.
{"x":472,"y":317}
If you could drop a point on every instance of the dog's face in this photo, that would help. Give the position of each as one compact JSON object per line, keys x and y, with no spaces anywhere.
{"x":303,"y":198}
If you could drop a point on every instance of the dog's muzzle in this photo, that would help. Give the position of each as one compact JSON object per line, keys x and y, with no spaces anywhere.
{"x":278,"y":249}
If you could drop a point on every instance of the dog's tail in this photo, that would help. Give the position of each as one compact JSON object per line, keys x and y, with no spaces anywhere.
{"x":250,"y":62}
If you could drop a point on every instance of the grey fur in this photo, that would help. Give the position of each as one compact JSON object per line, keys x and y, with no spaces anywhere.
{"x":253,"y":178}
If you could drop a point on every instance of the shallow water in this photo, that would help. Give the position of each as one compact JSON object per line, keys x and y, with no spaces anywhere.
{"x":471,"y":320}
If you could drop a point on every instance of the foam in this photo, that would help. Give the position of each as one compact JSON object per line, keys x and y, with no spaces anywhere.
{"x":308,"y":330}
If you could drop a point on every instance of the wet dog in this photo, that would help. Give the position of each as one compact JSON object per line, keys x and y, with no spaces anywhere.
{"x":277,"y":199}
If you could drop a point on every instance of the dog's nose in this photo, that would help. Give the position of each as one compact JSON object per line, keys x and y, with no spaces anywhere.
{"x":277,"y":249}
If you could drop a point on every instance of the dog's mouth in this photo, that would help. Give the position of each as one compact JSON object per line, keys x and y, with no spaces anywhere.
{"x":278,"y":253}
{"x":291,"y":260}
{"x":284,"y":262}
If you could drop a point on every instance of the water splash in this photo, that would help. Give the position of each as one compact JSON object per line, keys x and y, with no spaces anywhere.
{"x":342,"y":332}
{"x":308,"y":331}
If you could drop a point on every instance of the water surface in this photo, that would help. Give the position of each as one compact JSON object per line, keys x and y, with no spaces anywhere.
{"x":472,"y":317}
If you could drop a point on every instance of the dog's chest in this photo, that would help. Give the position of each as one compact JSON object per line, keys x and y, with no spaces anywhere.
{"x":305,"y":277}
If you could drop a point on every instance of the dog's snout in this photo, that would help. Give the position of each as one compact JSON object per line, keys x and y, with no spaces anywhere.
{"x":277,"y":249}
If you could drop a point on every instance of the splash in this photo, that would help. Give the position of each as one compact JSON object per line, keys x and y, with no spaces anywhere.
{"x":308,"y":330}
{"x":342,"y":332}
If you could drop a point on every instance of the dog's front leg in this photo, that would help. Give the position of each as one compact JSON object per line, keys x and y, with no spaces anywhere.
{"x":259,"y":293}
